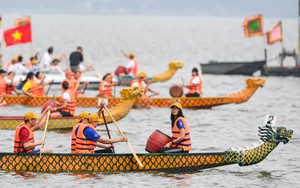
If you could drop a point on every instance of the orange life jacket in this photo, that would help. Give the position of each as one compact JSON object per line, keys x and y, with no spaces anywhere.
{"x":71,"y":107}
{"x":3,"y":86}
{"x":18,"y":146}
{"x":71,"y":83}
{"x":105,"y":90}
{"x":133,"y":71}
{"x":141,"y":86}
{"x":83,"y":145}
{"x":185,"y":143}
{"x":40,"y":89}
{"x":73,"y":138}
{"x":195,"y":88}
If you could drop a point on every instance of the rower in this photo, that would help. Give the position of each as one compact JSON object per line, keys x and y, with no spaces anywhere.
{"x":140,"y":82}
{"x":105,"y":86}
{"x":83,"y":116}
{"x":87,"y":137}
{"x":24,"y":136}
{"x":132,"y":65}
{"x":67,"y":106}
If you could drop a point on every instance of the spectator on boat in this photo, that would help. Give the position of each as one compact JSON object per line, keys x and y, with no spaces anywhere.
{"x":87,"y":137}
{"x":140,"y":82}
{"x":195,"y":85}
{"x":40,"y":79}
{"x":67,"y":101}
{"x":46,"y":59}
{"x":133,"y":64}
{"x":10,"y":65}
{"x":106,"y":86}
{"x":84,"y":119}
{"x":76,"y":58}
{"x":181,"y":139}
{"x":19,"y":68}
{"x":24,"y":134}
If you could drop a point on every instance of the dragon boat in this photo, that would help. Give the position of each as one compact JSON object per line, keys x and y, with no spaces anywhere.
{"x":252,"y":84}
{"x":128,"y":97}
{"x":90,"y":163}
{"x":94,"y":81}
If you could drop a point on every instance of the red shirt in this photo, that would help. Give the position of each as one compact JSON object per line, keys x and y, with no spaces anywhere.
{"x":24,"y":134}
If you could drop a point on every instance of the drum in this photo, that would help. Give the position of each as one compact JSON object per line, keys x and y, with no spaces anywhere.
{"x":156,"y":141}
{"x":52,"y":103}
{"x":176,"y":91}
{"x":120,"y":71}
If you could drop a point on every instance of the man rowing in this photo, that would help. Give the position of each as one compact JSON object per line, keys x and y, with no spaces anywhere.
{"x":140,"y":82}
{"x":24,"y":135}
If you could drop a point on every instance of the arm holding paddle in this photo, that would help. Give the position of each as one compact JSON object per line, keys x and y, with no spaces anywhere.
{"x":41,"y":120}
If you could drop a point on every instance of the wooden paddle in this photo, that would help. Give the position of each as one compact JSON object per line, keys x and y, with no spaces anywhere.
{"x":45,"y":131}
{"x":92,"y":65}
{"x":48,"y":89}
{"x":131,"y":149}
{"x":107,"y":130}
{"x":78,"y":82}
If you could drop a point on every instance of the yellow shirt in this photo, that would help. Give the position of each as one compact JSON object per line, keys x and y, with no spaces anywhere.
{"x":27,"y":86}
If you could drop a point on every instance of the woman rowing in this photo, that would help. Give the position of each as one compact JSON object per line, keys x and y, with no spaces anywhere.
{"x":106,"y":86}
{"x":140,"y":82}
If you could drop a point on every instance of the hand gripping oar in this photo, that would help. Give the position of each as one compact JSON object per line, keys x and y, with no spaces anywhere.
{"x":131,"y":149}
{"x":107,"y":129}
{"x":45,"y":131}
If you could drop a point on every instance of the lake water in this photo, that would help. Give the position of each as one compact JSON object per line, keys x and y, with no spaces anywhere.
{"x":157,"y":41}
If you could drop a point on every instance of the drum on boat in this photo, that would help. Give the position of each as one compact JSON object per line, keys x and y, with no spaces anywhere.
{"x":120,"y":71}
{"x":156,"y":141}
{"x":176,"y":91}
{"x":52,"y":103}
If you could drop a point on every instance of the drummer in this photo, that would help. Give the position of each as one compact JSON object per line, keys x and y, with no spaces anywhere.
{"x":87,"y":137}
{"x":195,"y":85}
{"x":140,"y":82}
{"x":181,"y":139}
{"x":67,"y":106}
{"x":24,"y":136}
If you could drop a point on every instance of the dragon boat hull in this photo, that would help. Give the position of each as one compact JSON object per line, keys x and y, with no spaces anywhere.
{"x":203,"y":102}
{"x":170,"y":162}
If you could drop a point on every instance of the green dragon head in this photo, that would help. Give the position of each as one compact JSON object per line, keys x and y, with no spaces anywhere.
{"x":275,"y":134}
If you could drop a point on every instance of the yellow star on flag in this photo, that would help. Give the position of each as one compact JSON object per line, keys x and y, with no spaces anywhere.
{"x":17,"y":35}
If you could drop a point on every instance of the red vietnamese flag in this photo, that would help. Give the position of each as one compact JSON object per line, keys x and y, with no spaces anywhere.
{"x":18,"y":35}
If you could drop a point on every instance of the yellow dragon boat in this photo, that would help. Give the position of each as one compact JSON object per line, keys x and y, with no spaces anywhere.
{"x":90,"y":163}
{"x":128,"y":97}
{"x":252,"y":84}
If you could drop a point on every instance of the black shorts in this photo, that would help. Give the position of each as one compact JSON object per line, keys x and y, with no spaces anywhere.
{"x":65,"y":114}
{"x":192,"y":95}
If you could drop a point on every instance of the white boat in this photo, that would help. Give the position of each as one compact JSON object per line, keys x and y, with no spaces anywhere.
{"x":58,"y":75}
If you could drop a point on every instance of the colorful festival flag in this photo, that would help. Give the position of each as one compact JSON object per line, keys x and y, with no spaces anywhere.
{"x":22,"y":21}
{"x":275,"y":35}
{"x":253,"y":26}
{"x":18,"y":35}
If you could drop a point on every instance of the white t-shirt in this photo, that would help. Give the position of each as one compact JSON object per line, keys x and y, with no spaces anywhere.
{"x":130,"y":65}
{"x":66,"y":96}
{"x":20,"y":69}
{"x":196,"y":80}
{"x":46,"y":61}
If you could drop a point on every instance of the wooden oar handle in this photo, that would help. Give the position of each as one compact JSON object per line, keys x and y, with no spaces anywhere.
{"x":131,"y":149}
{"x":45,"y":131}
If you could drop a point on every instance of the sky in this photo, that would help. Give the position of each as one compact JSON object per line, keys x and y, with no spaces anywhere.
{"x":223,"y":8}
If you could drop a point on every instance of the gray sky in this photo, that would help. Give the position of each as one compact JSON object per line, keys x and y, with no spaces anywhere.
{"x":269,"y":8}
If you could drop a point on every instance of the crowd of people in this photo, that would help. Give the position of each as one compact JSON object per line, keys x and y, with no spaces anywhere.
{"x":84,"y":135}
